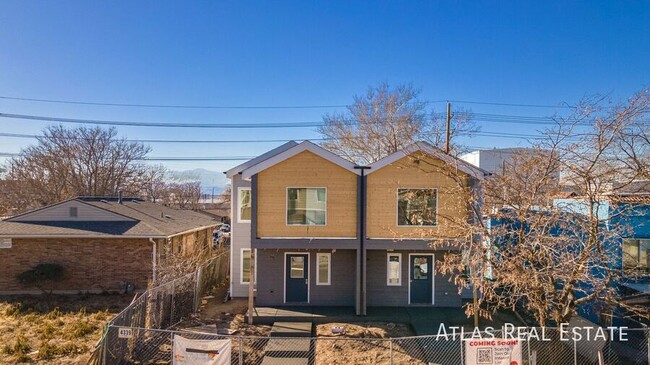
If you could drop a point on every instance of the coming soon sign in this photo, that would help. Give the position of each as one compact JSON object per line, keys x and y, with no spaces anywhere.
{"x":496,"y":351}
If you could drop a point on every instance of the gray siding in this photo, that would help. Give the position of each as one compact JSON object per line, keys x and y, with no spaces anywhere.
{"x":380,"y":294}
{"x":341,"y":291}
{"x":240,"y":238}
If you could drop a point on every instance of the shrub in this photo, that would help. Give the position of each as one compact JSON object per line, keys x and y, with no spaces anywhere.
{"x":20,"y":347}
{"x":42,"y":275}
{"x":47,"y":351}
{"x":80,"y":328}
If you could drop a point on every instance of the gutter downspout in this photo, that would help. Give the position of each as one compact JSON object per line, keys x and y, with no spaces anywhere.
{"x":153,"y":259}
{"x":361,"y":268}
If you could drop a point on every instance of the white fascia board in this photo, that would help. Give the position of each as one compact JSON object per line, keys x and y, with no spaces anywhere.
{"x":252,"y":162}
{"x":463,"y":166}
{"x":304,"y":146}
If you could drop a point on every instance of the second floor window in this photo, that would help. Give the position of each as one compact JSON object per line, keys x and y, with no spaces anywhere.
{"x":245,"y":205}
{"x":306,"y":206}
{"x":417,"y":207}
{"x":635,"y":253}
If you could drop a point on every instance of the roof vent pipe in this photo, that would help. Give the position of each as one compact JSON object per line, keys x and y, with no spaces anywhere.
{"x":119,"y":197}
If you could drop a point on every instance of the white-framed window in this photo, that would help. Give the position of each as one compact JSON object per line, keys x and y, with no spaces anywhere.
{"x":636,"y":253}
{"x":245,"y":267}
{"x":306,"y":206}
{"x":245,"y":207}
{"x":417,"y":207}
{"x":5,"y":243}
{"x":323,"y":268}
{"x":394,"y":269}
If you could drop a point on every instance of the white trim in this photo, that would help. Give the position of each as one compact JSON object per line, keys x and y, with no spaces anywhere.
{"x":284,"y":280}
{"x":304,"y":146}
{"x":241,"y":267}
{"x":433,"y":275}
{"x":329,"y":268}
{"x":308,"y":238}
{"x":239,"y":168}
{"x":239,"y":190}
{"x":286,"y":206}
{"x":388,"y":255}
{"x":397,"y":207}
{"x":425,"y":147}
{"x":65,"y":235}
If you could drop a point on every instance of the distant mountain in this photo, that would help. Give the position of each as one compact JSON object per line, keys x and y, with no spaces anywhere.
{"x":210,"y":180}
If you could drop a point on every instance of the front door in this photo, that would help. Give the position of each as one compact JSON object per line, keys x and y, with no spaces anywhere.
{"x":421,"y":279}
{"x":297,"y":278}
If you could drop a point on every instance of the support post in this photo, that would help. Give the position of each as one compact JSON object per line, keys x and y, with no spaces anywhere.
{"x":251,"y":287}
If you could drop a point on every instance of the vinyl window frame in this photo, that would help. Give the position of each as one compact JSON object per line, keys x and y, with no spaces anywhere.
{"x":329,"y":268}
{"x":388,"y":256}
{"x":286,"y":208}
{"x":435,"y":190}
{"x":241,"y":267}
{"x":239,"y":204}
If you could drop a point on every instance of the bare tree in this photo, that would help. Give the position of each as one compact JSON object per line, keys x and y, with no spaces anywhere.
{"x":543,"y":254}
{"x":182,"y":195}
{"x":385,"y":120}
{"x":154,"y":185}
{"x":522,"y":246}
{"x":71,"y":162}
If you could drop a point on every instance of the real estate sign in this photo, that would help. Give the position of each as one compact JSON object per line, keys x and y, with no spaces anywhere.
{"x":497,"y":351}
{"x":201,"y":352}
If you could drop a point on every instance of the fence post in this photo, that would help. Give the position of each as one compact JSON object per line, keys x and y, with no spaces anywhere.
{"x":197,"y":285}
{"x":391,"y":350}
{"x":104,"y":344}
{"x":647,"y":342}
{"x":241,"y":350}
{"x":171,"y":308}
{"x":575,"y":352}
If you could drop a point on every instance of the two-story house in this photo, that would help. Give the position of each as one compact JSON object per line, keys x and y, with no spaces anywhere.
{"x":329,"y":233}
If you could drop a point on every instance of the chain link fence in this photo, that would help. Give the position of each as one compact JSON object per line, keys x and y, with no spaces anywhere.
{"x":163,"y":306}
{"x":154,"y":346}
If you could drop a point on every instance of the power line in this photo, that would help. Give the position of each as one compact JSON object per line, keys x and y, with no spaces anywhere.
{"x":566,"y":106}
{"x":155,"y":158}
{"x":180,"y":106}
{"x":33,"y":136}
{"x":172,"y":106}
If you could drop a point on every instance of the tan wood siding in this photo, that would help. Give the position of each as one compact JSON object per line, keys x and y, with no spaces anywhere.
{"x":382,"y":188}
{"x":306,"y":170}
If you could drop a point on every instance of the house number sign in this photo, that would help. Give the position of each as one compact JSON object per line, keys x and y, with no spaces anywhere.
{"x":125,"y":332}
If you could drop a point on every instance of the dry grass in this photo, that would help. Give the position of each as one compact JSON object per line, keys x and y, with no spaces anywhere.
{"x":54,"y":329}
{"x":362,"y":343}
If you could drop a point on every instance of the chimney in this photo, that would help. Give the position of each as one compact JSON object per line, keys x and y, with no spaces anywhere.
{"x":119,"y":197}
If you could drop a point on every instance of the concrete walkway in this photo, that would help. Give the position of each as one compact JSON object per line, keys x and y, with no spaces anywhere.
{"x":290,"y":344}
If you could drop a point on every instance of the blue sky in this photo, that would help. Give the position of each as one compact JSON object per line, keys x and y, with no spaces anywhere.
{"x":307,"y":53}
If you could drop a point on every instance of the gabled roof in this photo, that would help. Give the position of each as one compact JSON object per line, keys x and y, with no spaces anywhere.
{"x":140,"y":219}
{"x":239,"y":168}
{"x":303,"y":146}
{"x":428,"y":149}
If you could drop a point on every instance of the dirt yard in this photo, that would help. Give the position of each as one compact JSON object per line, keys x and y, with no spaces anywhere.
{"x":54,"y":329}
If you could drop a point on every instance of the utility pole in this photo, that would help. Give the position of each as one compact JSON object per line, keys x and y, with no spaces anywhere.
{"x":448,"y":129}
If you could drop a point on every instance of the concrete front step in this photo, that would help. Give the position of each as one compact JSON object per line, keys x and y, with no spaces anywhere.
{"x":291,"y":329}
{"x":288,"y":347}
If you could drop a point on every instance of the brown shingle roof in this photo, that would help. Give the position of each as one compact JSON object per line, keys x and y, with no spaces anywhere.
{"x":151,"y":220}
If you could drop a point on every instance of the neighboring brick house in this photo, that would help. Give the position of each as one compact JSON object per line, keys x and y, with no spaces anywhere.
{"x":327,"y":233}
{"x":100,"y":241}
